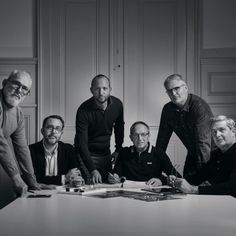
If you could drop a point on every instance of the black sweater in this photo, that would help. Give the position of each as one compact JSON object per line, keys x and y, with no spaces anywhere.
{"x":94,"y":128}
{"x":220,"y":171}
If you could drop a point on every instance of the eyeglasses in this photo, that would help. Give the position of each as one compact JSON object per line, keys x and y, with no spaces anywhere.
{"x":176,"y":89}
{"x":142,"y":135}
{"x":17,"y":86}
{"x":51,"y":128}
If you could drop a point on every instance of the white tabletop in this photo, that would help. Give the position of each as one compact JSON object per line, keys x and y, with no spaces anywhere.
{"x":67,"y":215}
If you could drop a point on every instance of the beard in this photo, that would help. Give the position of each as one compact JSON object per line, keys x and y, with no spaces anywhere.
{"x":51,"y":139}
{"x":101,"y":99}
{"x":12,"y":100}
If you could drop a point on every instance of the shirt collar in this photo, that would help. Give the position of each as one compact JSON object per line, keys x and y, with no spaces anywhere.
{"x":231,"y":150}
{"x":186,"y":105}
{"x":148,"y":150}
{"x":47,"y":151}
{"x":95,"y":105}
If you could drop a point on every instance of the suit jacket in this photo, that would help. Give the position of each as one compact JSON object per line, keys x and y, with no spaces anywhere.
{"x":66,"y":159}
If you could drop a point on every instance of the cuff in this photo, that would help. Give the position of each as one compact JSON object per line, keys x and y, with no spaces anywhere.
{"x":63,"y":180}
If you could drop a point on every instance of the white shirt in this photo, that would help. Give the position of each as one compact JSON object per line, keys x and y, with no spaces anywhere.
{"x":51,"y":161}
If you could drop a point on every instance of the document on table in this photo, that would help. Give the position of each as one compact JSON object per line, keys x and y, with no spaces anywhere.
{"x":135,"y":184}
{"x":128,"y":184}
{"x":80,"y":190}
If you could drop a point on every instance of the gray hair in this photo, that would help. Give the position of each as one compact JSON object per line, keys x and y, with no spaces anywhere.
{"x":229,"y":121}
{"x":18,"y":74}
{"x":173,"y":77}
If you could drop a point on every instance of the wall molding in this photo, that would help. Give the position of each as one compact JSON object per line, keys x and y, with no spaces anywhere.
{"x":18,"y":61}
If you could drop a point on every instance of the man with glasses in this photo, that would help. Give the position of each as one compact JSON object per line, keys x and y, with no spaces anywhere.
{"x":142,"y":161}
{"x":16,"y":161}
{"x":188,"y":116}
{"x":54,"y":162}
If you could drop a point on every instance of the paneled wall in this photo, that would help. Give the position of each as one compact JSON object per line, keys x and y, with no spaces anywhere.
{"x":74,"y":44}
{"x":154,"y":47}
{"x":217,"y":55}
{"x":136,"y":43}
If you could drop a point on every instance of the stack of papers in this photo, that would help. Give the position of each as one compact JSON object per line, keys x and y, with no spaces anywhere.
{"x":80,"y":191}
{"x":128,"y":184}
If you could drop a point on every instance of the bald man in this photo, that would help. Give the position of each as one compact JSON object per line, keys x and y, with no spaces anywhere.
{"x":16,"y":161}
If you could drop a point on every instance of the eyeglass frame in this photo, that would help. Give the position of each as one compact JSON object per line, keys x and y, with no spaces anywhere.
{"x":176,"y":89}
{"x":143,"y":135}
{"x":24,"y":89}
{"x":51,"y":128}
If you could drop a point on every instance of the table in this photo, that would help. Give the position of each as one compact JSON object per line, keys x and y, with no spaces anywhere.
{"x":70,"y":215}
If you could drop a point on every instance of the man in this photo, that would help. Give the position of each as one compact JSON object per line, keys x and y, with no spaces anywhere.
{"x":54,"y":162}
{"x":218,"y":176}
{"x":17,"y":163}
{"x":142,"y":162}
{"x":95,"y":120}
{"x":188,"y":116}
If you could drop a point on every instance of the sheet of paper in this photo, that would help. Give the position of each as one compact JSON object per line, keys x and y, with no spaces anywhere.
{"x":135,"y":184}
{"x":128,"y":184}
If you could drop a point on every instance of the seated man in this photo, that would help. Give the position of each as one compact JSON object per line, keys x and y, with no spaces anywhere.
{"x":219,"y":174}
{"x":54,"y":162}
{"x":142,"y":162}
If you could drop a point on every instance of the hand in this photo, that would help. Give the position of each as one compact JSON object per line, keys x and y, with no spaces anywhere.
{"x":113,"y":178}
{"x":114,"y":156}
{"x":171,"y":180}
{"x":36,"y":186}
{"x":205,"y":183}
{"x":185,"y":187}
{"x":32,"y":183}
{"x":19,"y":185}
{"x":47,"y":186}
{"x":96,"y":177}
{"x":72,"y":173}
{"x":154,"y":182}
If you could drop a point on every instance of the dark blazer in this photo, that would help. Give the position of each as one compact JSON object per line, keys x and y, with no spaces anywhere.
{"x":66,"y":160}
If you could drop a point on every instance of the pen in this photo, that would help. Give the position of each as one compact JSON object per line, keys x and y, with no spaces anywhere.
{"x":122,"y":180}
{"x":31,"y":191}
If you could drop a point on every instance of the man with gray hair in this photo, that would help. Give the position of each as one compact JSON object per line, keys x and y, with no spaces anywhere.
{"x":188,"y":116}
{"x":218,"y":176}
{"x":14,"y":90}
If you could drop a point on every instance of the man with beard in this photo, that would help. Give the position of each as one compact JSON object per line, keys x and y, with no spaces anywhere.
{"x":188,"y":116}
{"x":54,"y":162}
{"x":16,"y":161}
{"x":95,"y":120}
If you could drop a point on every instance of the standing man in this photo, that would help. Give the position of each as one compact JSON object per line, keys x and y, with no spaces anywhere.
{"x":188,"y":116}
{"x":142,"y":161}
{"x":55,"y":162}
{"x":95,"y":120}
{"x":17,"y":161}
{"x":218,"y":176}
